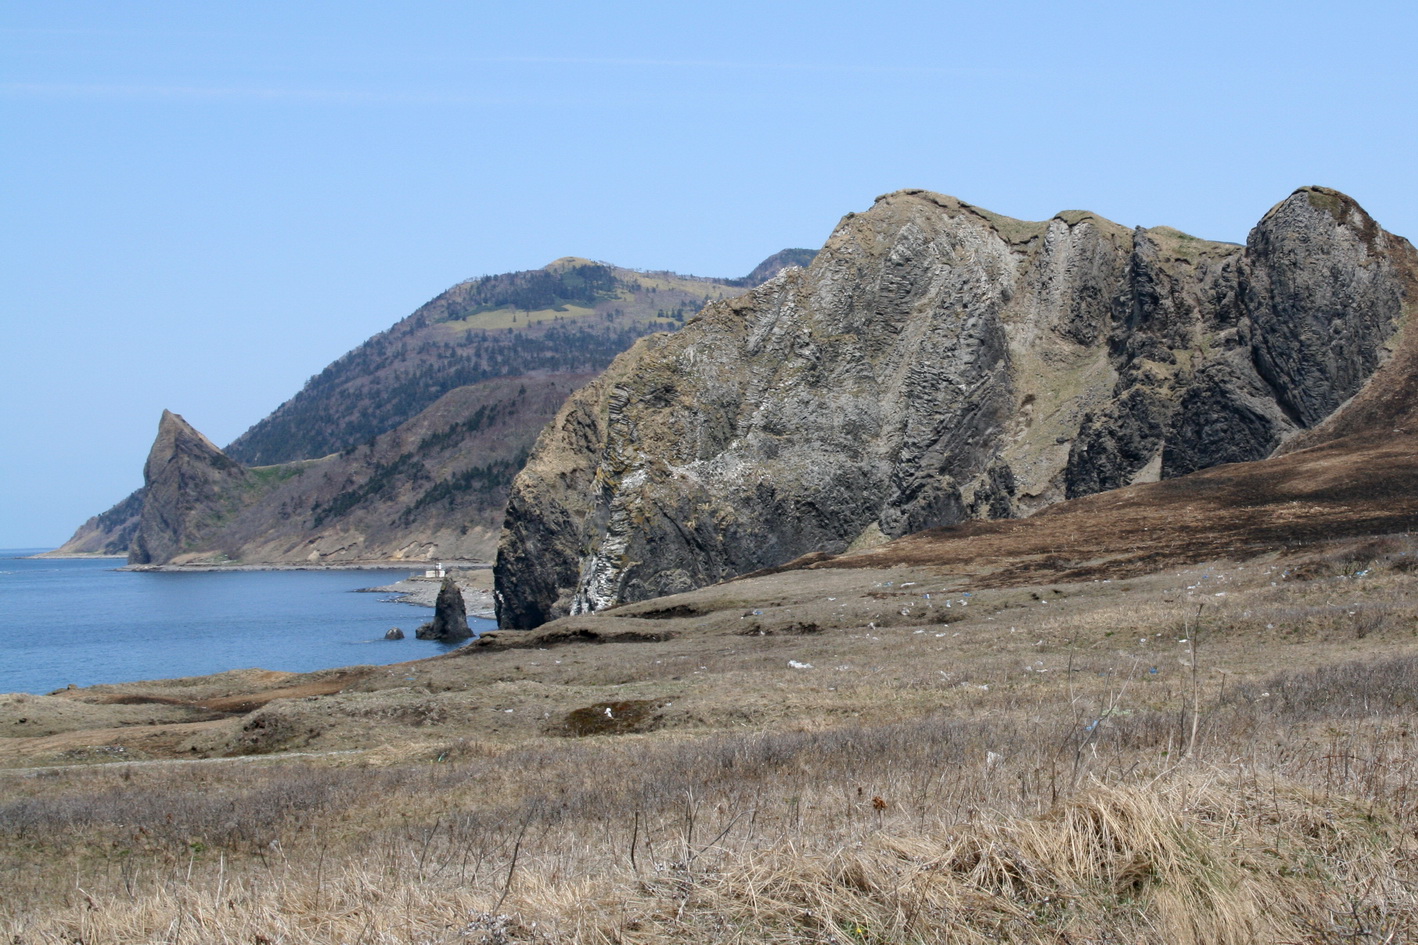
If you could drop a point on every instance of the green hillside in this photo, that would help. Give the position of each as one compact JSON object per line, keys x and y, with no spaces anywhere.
{"x":570,"y":317}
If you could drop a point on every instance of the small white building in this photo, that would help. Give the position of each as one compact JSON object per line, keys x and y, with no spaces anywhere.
{"x":437,"y":572}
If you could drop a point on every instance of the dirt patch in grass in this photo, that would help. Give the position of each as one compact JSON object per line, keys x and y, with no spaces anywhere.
{"x":677,"y":612}
{"x":561,"y":635}
{"x":248,"y":702}
{"x":138,"y":699}
{"x":795,"y":628}
{"x":611,"y":718}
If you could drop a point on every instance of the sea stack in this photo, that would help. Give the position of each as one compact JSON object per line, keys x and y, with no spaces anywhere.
{"x":450,"y":616}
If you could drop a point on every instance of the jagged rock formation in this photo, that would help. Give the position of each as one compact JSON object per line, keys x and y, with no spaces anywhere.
{"x":187,"y":483}
{"x":450,"y":616}
{"x":938,"y":362}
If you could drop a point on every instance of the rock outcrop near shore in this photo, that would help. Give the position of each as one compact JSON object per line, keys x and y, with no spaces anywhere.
{"x":450,"y":616}
{"x":937,"y":362}
{"x":187,"y":483}
{"x":434,"y":487}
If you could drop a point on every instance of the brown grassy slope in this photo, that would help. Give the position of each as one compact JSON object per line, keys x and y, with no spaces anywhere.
{"x":1366,"y":484}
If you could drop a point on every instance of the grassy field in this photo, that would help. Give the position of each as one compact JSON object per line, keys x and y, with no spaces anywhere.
{"x":637,"y":299}
{"x":512,"y":317}
{"x":1217,"y":753}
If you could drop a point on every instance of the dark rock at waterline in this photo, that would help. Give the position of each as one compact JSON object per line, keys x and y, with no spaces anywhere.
{"x":450,"y":616}
{"x":394,"y":634}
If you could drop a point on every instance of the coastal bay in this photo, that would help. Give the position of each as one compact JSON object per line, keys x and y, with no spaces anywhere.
{"x":81,"y":621}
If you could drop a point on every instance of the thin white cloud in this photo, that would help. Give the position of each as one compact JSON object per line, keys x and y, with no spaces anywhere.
{"x":216,"y":93}
{"x":159,"y":90}
{"x":729,"y":64}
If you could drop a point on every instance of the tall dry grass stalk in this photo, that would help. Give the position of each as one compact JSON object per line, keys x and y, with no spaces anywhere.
{"x":1193,"y":859}
{"x":1201,"y":856}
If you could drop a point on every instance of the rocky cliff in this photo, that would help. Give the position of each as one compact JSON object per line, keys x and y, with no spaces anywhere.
{"x":187,"y":485}
{"x":938,"y":362}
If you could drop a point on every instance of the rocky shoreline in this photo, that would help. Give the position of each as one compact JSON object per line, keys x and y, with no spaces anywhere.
{"x":350,"y":566}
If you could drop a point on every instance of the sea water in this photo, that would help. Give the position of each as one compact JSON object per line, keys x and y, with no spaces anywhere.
{"x":81,"y":621}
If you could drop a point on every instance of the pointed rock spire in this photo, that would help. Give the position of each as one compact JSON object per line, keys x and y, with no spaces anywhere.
{"x":185,"y":480}
{"x":450,"y":616}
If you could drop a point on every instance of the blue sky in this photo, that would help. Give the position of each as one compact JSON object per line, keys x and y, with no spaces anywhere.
{"x":203,"y":204}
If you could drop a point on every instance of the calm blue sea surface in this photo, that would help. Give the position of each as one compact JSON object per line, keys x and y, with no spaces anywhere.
{"x":81,"y":621}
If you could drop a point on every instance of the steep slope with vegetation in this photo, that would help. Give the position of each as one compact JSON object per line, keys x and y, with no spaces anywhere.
{"x":107,"y":533}
{"x":432,"y":488}
{"x":541,"y":333}
{"x":571,"y":317}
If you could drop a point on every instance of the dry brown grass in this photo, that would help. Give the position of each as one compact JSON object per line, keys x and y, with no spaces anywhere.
{"x":1024,"y":777}
{"x":1291,"y":823}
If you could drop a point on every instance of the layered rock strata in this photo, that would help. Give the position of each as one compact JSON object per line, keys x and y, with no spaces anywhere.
{"x":937,"y":362}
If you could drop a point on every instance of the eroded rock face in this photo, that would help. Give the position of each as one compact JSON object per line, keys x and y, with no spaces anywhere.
{"x":187,"y":483}
{"x":938,"y":362}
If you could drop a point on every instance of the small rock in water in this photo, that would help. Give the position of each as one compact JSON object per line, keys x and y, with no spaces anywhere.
{"x":394,"y":634}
